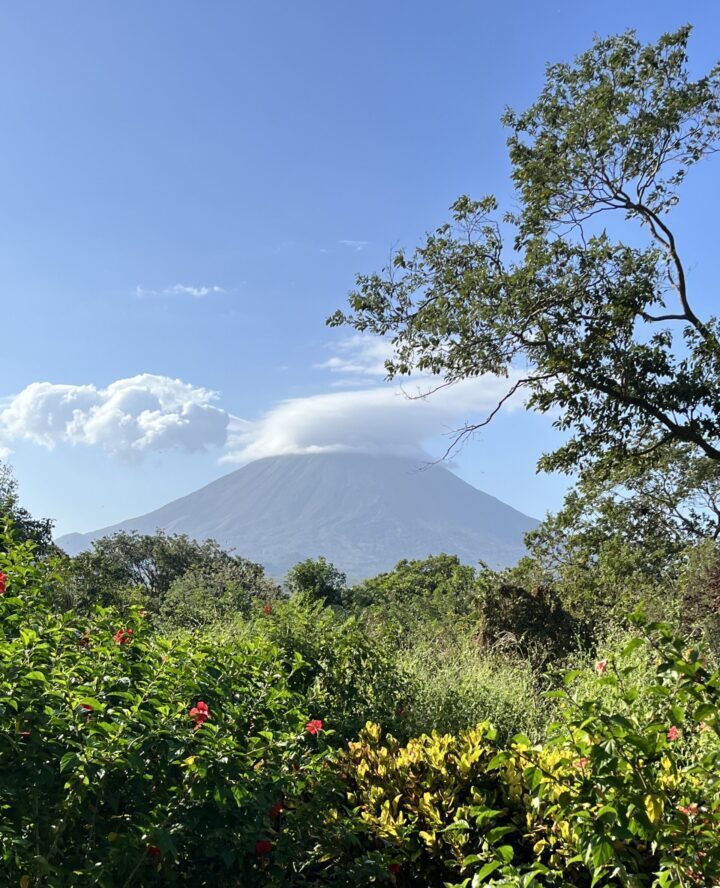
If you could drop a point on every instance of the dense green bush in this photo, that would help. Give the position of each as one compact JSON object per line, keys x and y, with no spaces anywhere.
{"x":340,"y":669}
{"x":128,"y":758}
{"x":319,"y":579}
{"x":417,"y":598}
{"x":621,"y":794}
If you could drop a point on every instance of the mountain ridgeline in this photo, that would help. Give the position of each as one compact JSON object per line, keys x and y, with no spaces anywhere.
{"x":364,"y":513}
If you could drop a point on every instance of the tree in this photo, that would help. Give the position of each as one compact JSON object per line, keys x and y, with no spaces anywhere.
{"x":625,"y":534}
{"x":215,"y":593}
{"x":144,"y":567}
{"x":319,"y":579}
{"x":24,"y":527}
{"x":435,"y":592}
{"x":604,"y":321}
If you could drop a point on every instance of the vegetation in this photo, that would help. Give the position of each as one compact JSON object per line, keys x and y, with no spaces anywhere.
{"x":299,"y":745}
{"x":606,"y":327}
{"x":169,"y":715}
{"x":187,"y":582}
{"x":39,"y":531}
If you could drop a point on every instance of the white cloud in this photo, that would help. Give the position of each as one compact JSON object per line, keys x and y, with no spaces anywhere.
{"x":359,"y":356}
{"x":356,"y":245}
{"x":180,"y":290}
{"x":129,"y":418}
{"x":382,"y":419}
{"x":5,"y":452}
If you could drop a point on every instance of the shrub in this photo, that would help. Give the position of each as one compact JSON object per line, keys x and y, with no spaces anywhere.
{"x":338,"y":668}
{"x":133,"y":568}
{"x":132,"y":759}
{"x":458,"y":685}
{"x":620,"y":795}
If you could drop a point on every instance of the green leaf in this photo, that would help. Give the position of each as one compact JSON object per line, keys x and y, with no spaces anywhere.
{"x":36,"y":675}
{"x":487,"y":870}
{"x":602,"y":852}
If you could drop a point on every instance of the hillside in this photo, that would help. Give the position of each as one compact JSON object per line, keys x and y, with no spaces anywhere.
{"x":364,"y":513}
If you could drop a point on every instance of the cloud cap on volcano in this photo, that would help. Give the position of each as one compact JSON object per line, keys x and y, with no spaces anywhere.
{"x":382,"y":419}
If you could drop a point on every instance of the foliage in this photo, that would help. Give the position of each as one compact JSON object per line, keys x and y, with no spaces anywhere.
{"x":530,"y":619}
{"x":418,"y":597}
{"x":627,"y":535}
{"x":699,"y":592}
{"x":142,"y":569}
{"x":317,"y":578}
{"x":129,"y":759}
{"x":454,"y":683}
{"x":215,"y":593}
{"x":622,"y":794}
{"x":614,"y":347}
{"x":12,"y":514}
{"x":219,"y":757}
{"x":342,"y":671}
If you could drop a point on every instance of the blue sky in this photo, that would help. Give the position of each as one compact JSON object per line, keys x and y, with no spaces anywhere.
{"x":187,"y":191}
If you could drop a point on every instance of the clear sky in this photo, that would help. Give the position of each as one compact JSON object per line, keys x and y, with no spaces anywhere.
{"x":186,"y":192}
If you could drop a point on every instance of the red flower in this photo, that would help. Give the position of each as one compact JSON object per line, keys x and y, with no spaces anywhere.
{"x":688,"y":810}
{"x":314,"y":726}
{"x":3,"y":583}
{"x":277,"y":809}
{"x":582,"y":762}
{"x":601,"y":667}
{"x":673,"y":733}
{"x":154,"y":854}
{"x":395,"y":868}
{"x":267,"y":609}
{"x":87,"y":707}
{"x":122,"y":636}
{"x":200,"y":713}
{"x":263,"y":847}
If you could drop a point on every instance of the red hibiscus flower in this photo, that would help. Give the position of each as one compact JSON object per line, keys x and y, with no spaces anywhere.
{"x":200,"y":713}
{"x":267,"y":609}
{"x":395,"y":868}
{"x":582,"y":762}
{"x":154,"y":854}
{"x":122,"y":636}
{"x":601,"y":667}
{"x":277,"y":809}
{"x":688,"y":810}
{"x":3,"y":583}
{"x":314,"y":726}
{"x":673,"y":733}
{"x":263,"y":847}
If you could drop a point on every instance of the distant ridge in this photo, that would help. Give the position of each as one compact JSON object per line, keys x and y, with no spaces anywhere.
{"x":364,"y":513}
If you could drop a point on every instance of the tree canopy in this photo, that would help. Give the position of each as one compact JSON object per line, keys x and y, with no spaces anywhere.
{"x":25,"y":528}
{"x":168,"y":573}
{"x":580,"y":298}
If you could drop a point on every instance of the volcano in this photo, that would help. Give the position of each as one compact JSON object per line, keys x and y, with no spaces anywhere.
{"x":362,"y":512}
